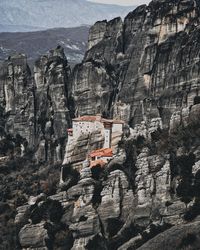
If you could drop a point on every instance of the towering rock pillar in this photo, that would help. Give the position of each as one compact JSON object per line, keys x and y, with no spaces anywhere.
{"x":17,"y":97}
{"x":51,"y":73}
{"x":37,"y":108}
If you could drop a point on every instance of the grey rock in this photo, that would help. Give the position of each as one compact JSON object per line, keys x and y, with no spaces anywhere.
{"x":34,"y":236}
{"x":116,"y":199}
{"x":177,"y":237}
{"x":37,"y":109}
{"x":77,"y":149}
{"x":144,"y":70}
{"x":23,"y":213}
{"x":17,"y":97}
{"x":130,"y":60}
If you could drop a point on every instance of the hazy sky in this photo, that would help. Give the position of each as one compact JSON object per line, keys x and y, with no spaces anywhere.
{"x":122,"y":2}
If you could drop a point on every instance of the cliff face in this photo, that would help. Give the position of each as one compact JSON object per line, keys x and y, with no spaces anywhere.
{"x":34,"y":118}
{"x":145,"y":71}
{"x":17,"y":97}
{"x":36,"y":105}
{"x":140,"y":63}
{"x":52,"y":101}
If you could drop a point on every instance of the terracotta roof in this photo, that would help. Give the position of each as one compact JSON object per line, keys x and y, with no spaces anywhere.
{"x":103,"y":152}
{"x":99,"y":162}
{"x":96,"y":118}
{"x":112,"y":121}
{"x":88,"y":118}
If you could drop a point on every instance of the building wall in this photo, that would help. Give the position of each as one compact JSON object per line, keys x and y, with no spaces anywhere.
{"x":107,"y":135}
{"x":85,"y":127}
{"x":117,"y":128}
{"x":82,"y":127}
{"x":99,"y":125}
{"x":104,"y":158}
{"x":112,"y":135}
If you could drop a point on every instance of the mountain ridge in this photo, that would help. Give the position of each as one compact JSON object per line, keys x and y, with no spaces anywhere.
{"x":48,"y":14}
{"x":35,"y":43}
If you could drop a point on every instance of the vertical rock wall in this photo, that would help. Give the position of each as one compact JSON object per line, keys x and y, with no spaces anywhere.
{"x":36,"y":105}
{"x":151,"y":63}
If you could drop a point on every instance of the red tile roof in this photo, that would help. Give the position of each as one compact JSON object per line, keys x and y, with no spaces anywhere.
{"x":88,"y":118}
{"x":96,"y":118}
{"x":103,"y":152}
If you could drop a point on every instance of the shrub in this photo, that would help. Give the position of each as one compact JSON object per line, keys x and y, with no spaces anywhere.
{"x":184,"y":169}
{"x":197,"y":100}
{"x":114,"y":225}
{"x":49,"y":186}
{"x":96,"y":199}
{"x":49,"y":209}
{"x":97,"y":172}
{"x":188,"y":240}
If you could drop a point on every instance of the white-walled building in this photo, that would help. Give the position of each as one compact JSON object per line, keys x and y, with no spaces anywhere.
{"x":100,"y":157}
{"x":88,"y":124}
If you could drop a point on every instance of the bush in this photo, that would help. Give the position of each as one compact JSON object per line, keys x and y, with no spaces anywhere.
{"x":49,"y":186}
{"x":197,"y":100}
{"x":96,"y":199}
{"x":114,"y":225}
{"x":192,"y":213}
{"x":184,"y":165}
{"x":188,"y":240}
{"x":97,"y":172}
{"x":63,"y":238}
{"x":49,"y":209}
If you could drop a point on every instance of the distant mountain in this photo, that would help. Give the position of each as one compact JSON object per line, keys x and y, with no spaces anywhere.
{"x":23,"y":15}
{"x":34,"y":44}
{"x":18,"y":28}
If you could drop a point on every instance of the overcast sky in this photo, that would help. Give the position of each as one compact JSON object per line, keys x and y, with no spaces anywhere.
{"x":122,"y":2}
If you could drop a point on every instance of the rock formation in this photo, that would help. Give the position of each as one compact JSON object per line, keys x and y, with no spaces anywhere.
{"x":17,"y":97}
{"x":145,"y":71}
{"x":139,"y":65}
{"x":51,"y":75}
{"x":37,"y":107}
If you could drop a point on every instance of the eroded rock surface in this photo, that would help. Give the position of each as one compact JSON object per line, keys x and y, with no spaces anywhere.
{"x":136,"y":69}
{"x":36,"y":105}
{"x":143,"y":70}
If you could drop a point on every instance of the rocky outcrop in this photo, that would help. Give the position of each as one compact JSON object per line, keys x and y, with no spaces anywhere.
{"x":34,"y":236}
{"x":37,"y":109}
{"x":85,"y":221}
{"x":51,"y":75}
{"x":77,"y":149}
{"x":116,"y":202}
{"x":140,"y":64}
{"x":145,"y":71}
{"x":181,"y":237}
{"x":17,"y":97}
{"x":149,"y":189}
